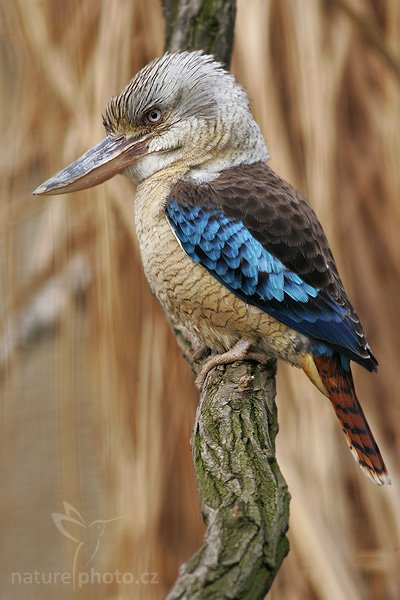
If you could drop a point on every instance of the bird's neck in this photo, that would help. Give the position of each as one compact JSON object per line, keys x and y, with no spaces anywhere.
{"x":152,"y":191}
{"x":240,"y":143}
{"x":211,"y":168}
{"x":207,"y":169}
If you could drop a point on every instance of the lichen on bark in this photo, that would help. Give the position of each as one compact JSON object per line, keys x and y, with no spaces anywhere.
{"x":244,"y":498}
{"x":200,"y":25}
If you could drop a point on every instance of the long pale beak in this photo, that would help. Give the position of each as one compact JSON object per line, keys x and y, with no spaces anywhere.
{"x":103,"y":161}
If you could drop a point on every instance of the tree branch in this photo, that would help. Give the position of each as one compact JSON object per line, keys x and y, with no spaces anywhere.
{"x":244,"y":498}
{"x":200,"y":25}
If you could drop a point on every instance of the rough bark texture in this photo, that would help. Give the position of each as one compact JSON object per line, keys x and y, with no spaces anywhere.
{"x":244,"y":498}
{"x":201,"y":25}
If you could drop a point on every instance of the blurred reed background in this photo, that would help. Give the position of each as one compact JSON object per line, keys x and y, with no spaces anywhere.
{"x":97,"y":404}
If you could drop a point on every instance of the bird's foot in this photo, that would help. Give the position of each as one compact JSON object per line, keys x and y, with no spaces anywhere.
{"x":258,"y":357}
{"x":238,"y":352}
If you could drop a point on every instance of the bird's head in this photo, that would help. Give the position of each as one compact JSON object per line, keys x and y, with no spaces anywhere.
{"x":182,"y":113}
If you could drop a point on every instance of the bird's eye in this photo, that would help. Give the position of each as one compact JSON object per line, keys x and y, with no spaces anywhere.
{"x":154,"y":115}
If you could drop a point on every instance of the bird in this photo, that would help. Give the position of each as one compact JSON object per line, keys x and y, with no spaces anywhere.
{"x":233,"y":252}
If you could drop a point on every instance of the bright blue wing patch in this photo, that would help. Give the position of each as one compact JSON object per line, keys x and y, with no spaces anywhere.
{"x":226,"y":248}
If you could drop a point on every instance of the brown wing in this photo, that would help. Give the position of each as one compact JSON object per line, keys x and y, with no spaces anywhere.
{"x":283,"y":222}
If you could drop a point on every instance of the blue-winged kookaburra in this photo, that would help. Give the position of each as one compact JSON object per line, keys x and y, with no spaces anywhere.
{"x":231,"y":250}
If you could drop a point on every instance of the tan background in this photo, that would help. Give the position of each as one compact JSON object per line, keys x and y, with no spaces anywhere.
{"x":96,"y":403}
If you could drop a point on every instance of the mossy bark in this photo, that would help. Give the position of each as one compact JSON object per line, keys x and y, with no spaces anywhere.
{"x":200,"y":25}
{"x":244,"y":498}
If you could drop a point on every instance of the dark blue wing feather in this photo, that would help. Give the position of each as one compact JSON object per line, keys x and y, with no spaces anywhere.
{"x":227,"y":249}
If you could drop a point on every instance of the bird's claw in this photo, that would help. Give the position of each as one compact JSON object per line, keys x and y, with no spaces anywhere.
{"x":238,"y":352}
